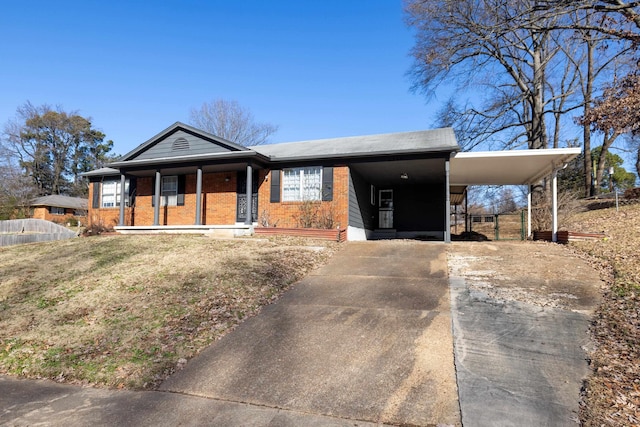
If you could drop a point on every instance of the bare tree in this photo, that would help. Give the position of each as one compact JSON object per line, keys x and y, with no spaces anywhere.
{"x":16,"y":189}
{"x":535,"y":63}
{"x":229,"y":120}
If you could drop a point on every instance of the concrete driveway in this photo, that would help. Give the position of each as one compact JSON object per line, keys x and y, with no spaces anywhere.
{"x":367,"y":340}
{"x":367,"y":337}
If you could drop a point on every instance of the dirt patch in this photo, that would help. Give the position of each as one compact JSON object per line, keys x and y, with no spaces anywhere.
{"x":543,"y":274}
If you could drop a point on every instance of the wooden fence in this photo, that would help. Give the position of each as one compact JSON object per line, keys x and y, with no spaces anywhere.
{"x":20,"y":231}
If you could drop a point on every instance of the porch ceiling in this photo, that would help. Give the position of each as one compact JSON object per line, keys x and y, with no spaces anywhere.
{"x":389,"y":172}
{"x":515,"y":167}
{"x":183,"y":170}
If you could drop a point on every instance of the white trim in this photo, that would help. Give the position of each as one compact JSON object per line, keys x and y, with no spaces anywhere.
{"x":356,"y":234}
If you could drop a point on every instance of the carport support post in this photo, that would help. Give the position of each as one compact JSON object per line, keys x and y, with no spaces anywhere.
{"x":447,"y":205}
{"x":554,"y":206}
{"x":249,"y":219}
{"x":529,"y":211}
{"x":156,"y":200}
{"x":123,"y":181}
{"x":199,"y":196}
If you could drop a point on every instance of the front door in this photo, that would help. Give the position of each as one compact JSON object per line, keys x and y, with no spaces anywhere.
{"x":385,"y":209}
{"x":241,"y":197}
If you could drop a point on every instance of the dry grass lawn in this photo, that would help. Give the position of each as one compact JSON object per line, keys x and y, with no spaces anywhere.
{"x":127,"y":311}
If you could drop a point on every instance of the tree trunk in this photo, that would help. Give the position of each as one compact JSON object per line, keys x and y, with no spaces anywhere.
{"x":589,"y":187}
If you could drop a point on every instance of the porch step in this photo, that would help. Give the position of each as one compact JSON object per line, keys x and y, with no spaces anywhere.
{"x":384,"y":233}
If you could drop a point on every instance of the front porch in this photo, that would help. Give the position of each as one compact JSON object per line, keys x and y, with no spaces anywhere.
{"x":236,"y":230}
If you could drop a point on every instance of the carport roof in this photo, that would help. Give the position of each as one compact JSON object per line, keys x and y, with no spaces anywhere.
{"x":514,"y":167}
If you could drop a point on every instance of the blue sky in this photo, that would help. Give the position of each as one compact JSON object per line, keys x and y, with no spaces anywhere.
{"x":317,"y":69}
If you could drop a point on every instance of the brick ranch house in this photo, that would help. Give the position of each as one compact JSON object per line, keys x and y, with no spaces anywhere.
{"x":60,"y":209}
{"x":390,"y":185}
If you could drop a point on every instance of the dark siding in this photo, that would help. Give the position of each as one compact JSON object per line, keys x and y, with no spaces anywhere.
{"x":196,"y":146}
{"x":419,"y":207}
{"x":275,"y":186}
{"x":95,"y":203}
{"x":327,"y":183}
{"x":361,"y":213}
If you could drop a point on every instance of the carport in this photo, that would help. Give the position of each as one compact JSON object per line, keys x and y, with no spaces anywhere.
{"x":516,"y":167}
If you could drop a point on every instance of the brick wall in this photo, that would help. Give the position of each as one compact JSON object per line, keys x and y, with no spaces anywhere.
{"x":283,"y":214}
{"x":43,"y":212}
{"x":106,"y":217}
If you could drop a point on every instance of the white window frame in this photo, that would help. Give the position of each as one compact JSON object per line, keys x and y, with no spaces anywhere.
{"x":302,"y":184}
{"x":110,"y":197}
{"x":169,"y":191}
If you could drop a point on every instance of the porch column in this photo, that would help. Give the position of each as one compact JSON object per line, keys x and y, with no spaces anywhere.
{"x":447,"y":206}
{"x":123,"y":181}
{"x":554,"y":206}
{"x":529,"y":212}
{"x":199,"y":196}
{"x":156,"y":199}
{"x":466,"y":210}
{"x":248,"y":220}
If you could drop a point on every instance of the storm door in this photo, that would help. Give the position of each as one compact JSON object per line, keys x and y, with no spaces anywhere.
{"x":385,"y":209}
{"x":241,"y":191}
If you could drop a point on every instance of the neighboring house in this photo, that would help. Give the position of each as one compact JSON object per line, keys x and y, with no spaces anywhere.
{"x":184,"y":179}
{"x":60,"y":209}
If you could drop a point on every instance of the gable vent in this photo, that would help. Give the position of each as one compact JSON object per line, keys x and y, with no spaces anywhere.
{"x":180,"y":144}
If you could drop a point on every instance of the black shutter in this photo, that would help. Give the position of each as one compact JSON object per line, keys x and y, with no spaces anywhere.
{"x":275,"y":186}
{"x":132,"y":191}
{"x":181,"y":184}
{"x":95,"y":203}
{"x":327,"y":184}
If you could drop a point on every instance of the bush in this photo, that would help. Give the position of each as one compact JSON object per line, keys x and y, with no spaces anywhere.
{"x":632,"y":193}
{"x":313,"y":214}
{"x":96,"y":229}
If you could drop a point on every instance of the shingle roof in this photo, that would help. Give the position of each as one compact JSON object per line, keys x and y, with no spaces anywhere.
{"x":428,"y":141}
{"x":61,"y":202}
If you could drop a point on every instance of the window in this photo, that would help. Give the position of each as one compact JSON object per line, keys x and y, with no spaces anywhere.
{"x":111,"y":193}
{"x":302,"y":184}
{"x":169,"y":191}
{"x":57,"y":211}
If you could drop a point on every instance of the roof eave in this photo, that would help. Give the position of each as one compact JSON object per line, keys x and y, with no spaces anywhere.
{"x":250,"y":154}
{"x":360,"y":155}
